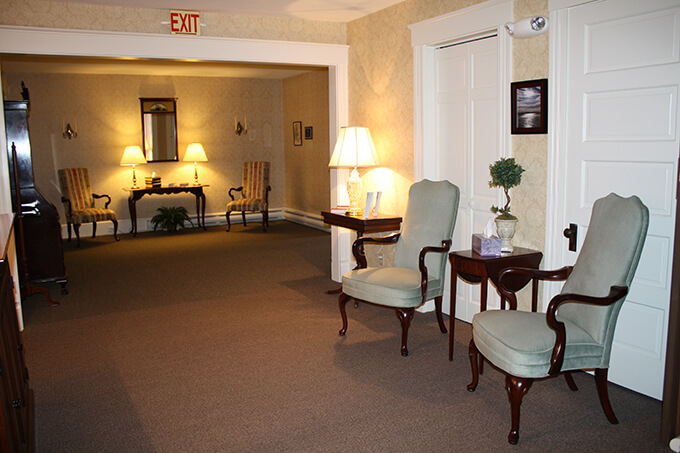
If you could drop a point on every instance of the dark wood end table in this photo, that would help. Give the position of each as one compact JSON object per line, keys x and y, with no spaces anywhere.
{"x":474,"y":268}
{"x":196,"y":190}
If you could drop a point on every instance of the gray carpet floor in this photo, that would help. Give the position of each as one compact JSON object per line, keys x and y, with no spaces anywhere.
{"x":207,"y":341}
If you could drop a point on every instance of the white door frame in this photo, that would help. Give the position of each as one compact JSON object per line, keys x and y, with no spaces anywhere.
{"x":426,"y":36}
{"x":52,"y":41}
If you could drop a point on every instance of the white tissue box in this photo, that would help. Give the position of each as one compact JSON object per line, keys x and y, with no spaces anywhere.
{"x":485,"y":246}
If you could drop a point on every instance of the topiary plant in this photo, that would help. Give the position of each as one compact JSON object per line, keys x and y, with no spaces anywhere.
{"x":505,"y":173}
{"x":171,"y":218}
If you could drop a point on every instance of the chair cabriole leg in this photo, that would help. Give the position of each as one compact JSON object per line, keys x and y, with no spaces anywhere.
{"x":603,"y":393}
{"x":570,"y":381}
{"x":342,"y":301}
{"x":438,"y":311}
{"x":228,"y":222}
{"x":115,"y":230}
{"x":405,"y":315}
{"x":516,"y":387}
{"x":94,"y":229}
{"x":472,"y":354}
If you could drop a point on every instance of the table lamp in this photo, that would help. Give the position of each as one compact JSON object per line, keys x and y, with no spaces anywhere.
{"x":133,"y":156}
{"x":195,"y":153}
{"x":354,"y":149}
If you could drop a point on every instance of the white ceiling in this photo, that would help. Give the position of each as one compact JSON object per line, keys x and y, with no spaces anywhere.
{"x":323,"y":10}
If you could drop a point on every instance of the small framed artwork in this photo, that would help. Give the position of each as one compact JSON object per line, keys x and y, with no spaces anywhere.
{"x":529,"y":107}
{"x":297,"y":133}
{"x":309,"y":132}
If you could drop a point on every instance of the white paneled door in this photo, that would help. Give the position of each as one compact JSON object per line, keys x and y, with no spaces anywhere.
{"x":623,"y":75}
{"x":467,"y":116}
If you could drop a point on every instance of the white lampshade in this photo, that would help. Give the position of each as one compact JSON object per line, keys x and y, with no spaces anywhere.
{"x":195,"y":153}
{"x":132,"y":155}
{"x":353,"y":149}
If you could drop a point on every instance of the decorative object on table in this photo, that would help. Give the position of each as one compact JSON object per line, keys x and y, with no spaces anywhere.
{"x":171,"y":218}
{"x":533,"y":346}
{"x":417,"y":274}
{"x":133,"y":156}
{"x":297,"y":133}
{"x":487,"y":243}
{"x":241,"y":129}
{"x":195,"y":153}
{"x":153,"y":180}
{"x":376,"y":206}
{"x":505,"y":173}
{"x":354,"y":149}
{"x":309,"y":132}
{"x":79,"y":205}
{"x":69,"y":132}
{"x":529,"y":107}
{"x":254,"y":193}
{"x":370,"y":196}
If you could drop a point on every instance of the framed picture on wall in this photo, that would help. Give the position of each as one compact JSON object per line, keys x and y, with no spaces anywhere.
{"x":529,"y":107}
{"x":297,"y":133}
{"x":309,"y":132}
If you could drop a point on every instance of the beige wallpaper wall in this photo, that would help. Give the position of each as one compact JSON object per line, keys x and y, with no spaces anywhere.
{"x":45,"y":13}
{"x":381,"y":97}
{"x":305,"y":99}
{"x":107,"y":111}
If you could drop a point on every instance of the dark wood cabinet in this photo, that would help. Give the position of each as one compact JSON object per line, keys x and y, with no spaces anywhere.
{"x":40,"y":227}
{"x":16,"y":397}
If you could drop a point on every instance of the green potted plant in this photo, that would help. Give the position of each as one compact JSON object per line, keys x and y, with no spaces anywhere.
{"x":505,"y":173}
{"x":170,"y":218}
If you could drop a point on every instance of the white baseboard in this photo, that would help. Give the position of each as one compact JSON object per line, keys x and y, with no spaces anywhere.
{"x":305,"y":218}
{"x":105,"y":228}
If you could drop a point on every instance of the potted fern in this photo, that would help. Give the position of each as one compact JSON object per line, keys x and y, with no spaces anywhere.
{"x":171,"y":218}
{"x":505,"y":173}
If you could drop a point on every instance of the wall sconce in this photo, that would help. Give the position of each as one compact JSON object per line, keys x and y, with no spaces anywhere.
{"x":69,"y":132}
{"x":527,"y":27}
{"x":241,"y":129}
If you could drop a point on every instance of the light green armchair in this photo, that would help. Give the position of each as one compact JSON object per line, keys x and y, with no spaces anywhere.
{"x":577,"y":330}
{"x":419,"y":258}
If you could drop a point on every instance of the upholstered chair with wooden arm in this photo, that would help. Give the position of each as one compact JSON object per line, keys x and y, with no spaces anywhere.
{"x":254,"y":193}
{"x":577,"y":330}
{"x":417,"y":274}
{"x":79,"y":202}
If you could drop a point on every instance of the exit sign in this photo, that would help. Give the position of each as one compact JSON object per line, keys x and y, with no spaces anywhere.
{"x":185,"y":22}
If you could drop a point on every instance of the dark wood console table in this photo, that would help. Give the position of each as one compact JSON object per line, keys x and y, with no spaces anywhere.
{"x":474,"y":268}
{"x":136,"y":194}
{"x":378,"y":224}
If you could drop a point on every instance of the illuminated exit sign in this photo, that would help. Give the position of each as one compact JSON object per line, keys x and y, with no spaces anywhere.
{"x":185,"y":22}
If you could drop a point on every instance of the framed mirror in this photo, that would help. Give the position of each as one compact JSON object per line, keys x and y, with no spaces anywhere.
{"x":159,"y":129}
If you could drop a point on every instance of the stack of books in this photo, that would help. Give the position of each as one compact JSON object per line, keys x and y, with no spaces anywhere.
{"x":153,"y":181}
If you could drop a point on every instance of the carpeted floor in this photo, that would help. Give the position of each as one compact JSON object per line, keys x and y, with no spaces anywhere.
{"x":207,"y":341}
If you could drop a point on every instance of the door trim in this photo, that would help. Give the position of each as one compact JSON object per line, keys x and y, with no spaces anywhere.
{"x":485,"y":18}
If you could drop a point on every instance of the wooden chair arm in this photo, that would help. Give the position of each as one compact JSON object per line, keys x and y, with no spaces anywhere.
{"x":67,"y":202}
{"x":106,"y":205}
{"x":557,"y":357}
{"x":446,"y":245}
{"x":235,"y":189}
{"x":358,"y":246}
{"x":535,"y":274}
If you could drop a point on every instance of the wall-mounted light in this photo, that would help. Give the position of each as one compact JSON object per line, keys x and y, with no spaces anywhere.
{"x":241,"y":129}
{"x":68,"y":131}
{"x":527,"y":27}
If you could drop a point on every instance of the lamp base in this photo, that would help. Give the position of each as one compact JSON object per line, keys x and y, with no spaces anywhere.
{"x":354,"y":186}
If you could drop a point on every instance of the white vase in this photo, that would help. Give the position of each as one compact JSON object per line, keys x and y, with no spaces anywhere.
{"x":506,"y":231}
